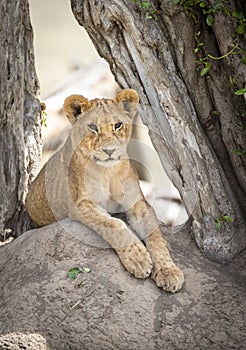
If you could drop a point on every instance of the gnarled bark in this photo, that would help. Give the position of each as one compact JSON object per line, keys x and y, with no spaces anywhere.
{"x":20,"y":114}
{"x":196,"y":146}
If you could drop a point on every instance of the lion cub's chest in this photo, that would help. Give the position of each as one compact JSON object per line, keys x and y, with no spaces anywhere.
{"x":102,"y":186}
{"x":110,"y":188}
{"x":97,"y":187}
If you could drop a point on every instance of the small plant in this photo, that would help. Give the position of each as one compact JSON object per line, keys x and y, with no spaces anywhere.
{"x":210,"y":11}
{"x":219,"y":221}
{"x":240,"y":152}
{"x":240,"y":91}
{"x":241,"y":22}
{"x":44,"y":115}
{"x":75,"y":271}
{"x":147,"y":7}
{"x":201,"y":59}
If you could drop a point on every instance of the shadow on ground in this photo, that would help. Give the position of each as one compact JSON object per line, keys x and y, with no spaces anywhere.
{"x":108,"y":308}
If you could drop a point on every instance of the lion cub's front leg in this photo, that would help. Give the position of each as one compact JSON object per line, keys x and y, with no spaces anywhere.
{"x":165,"y":273}
{"x":136,"y":259}
{"x":131,"y":251}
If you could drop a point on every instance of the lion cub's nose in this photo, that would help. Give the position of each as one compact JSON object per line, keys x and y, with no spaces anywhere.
{"x":108,"y":151}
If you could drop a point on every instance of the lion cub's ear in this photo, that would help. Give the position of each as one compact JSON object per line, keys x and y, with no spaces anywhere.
{"x":129,"y":99}
{"x":74,"y":105}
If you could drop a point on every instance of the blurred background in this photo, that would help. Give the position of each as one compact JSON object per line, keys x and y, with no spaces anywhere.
{"x":67,"y":63}
{"x":61,"y":45}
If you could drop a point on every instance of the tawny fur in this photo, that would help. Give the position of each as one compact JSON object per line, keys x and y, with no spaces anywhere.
{"x":91,"y":177}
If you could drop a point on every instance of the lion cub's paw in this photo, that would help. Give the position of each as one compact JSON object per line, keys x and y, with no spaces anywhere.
{"x":136,"y":259}
{"x":168,"y":276}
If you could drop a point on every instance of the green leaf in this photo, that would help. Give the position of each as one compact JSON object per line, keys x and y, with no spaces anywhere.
{"x":74,"y":272}
{"x":217,"y":224}
{"x":148,"y":16}
{"x":176,"y":2}
{"x":227,"y":218}
{"x":217,"y":7}
{"x":240,"y":152}
{"x":44,"y":122}
{"x":241,"y":28}
{"x":210,"y":20}
{"x":238,"y":15}
{"x":240,"y":91}
{"x":217,"y":113}
{"x":243,"y":60}
{"x":146,"y":5}
{"x":232,"y":81}
{"x":205,"y":69}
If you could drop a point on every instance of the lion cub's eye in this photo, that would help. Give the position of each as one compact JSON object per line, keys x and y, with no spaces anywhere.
{"x":92,"y":127}
{"x":118,"y":126}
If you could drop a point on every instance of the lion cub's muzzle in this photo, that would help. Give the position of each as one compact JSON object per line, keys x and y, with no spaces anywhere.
{"x":107,"y":155}
{"x":109,"y":151}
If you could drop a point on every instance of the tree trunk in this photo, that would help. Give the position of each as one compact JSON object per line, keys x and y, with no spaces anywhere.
{"x":194,"y":121}
{"x":20,"y":115}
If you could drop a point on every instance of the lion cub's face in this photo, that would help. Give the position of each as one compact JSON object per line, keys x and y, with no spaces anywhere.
{"x":104,"y":125}
{"x":108,"y":130}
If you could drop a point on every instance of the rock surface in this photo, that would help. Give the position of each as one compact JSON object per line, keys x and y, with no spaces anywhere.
{"x":107,"y":308}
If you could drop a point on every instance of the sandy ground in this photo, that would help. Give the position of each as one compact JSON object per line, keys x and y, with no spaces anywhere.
{"x":107,"y":308}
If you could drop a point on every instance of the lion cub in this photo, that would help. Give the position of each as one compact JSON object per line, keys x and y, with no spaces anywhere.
{"x":91,"y":176}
